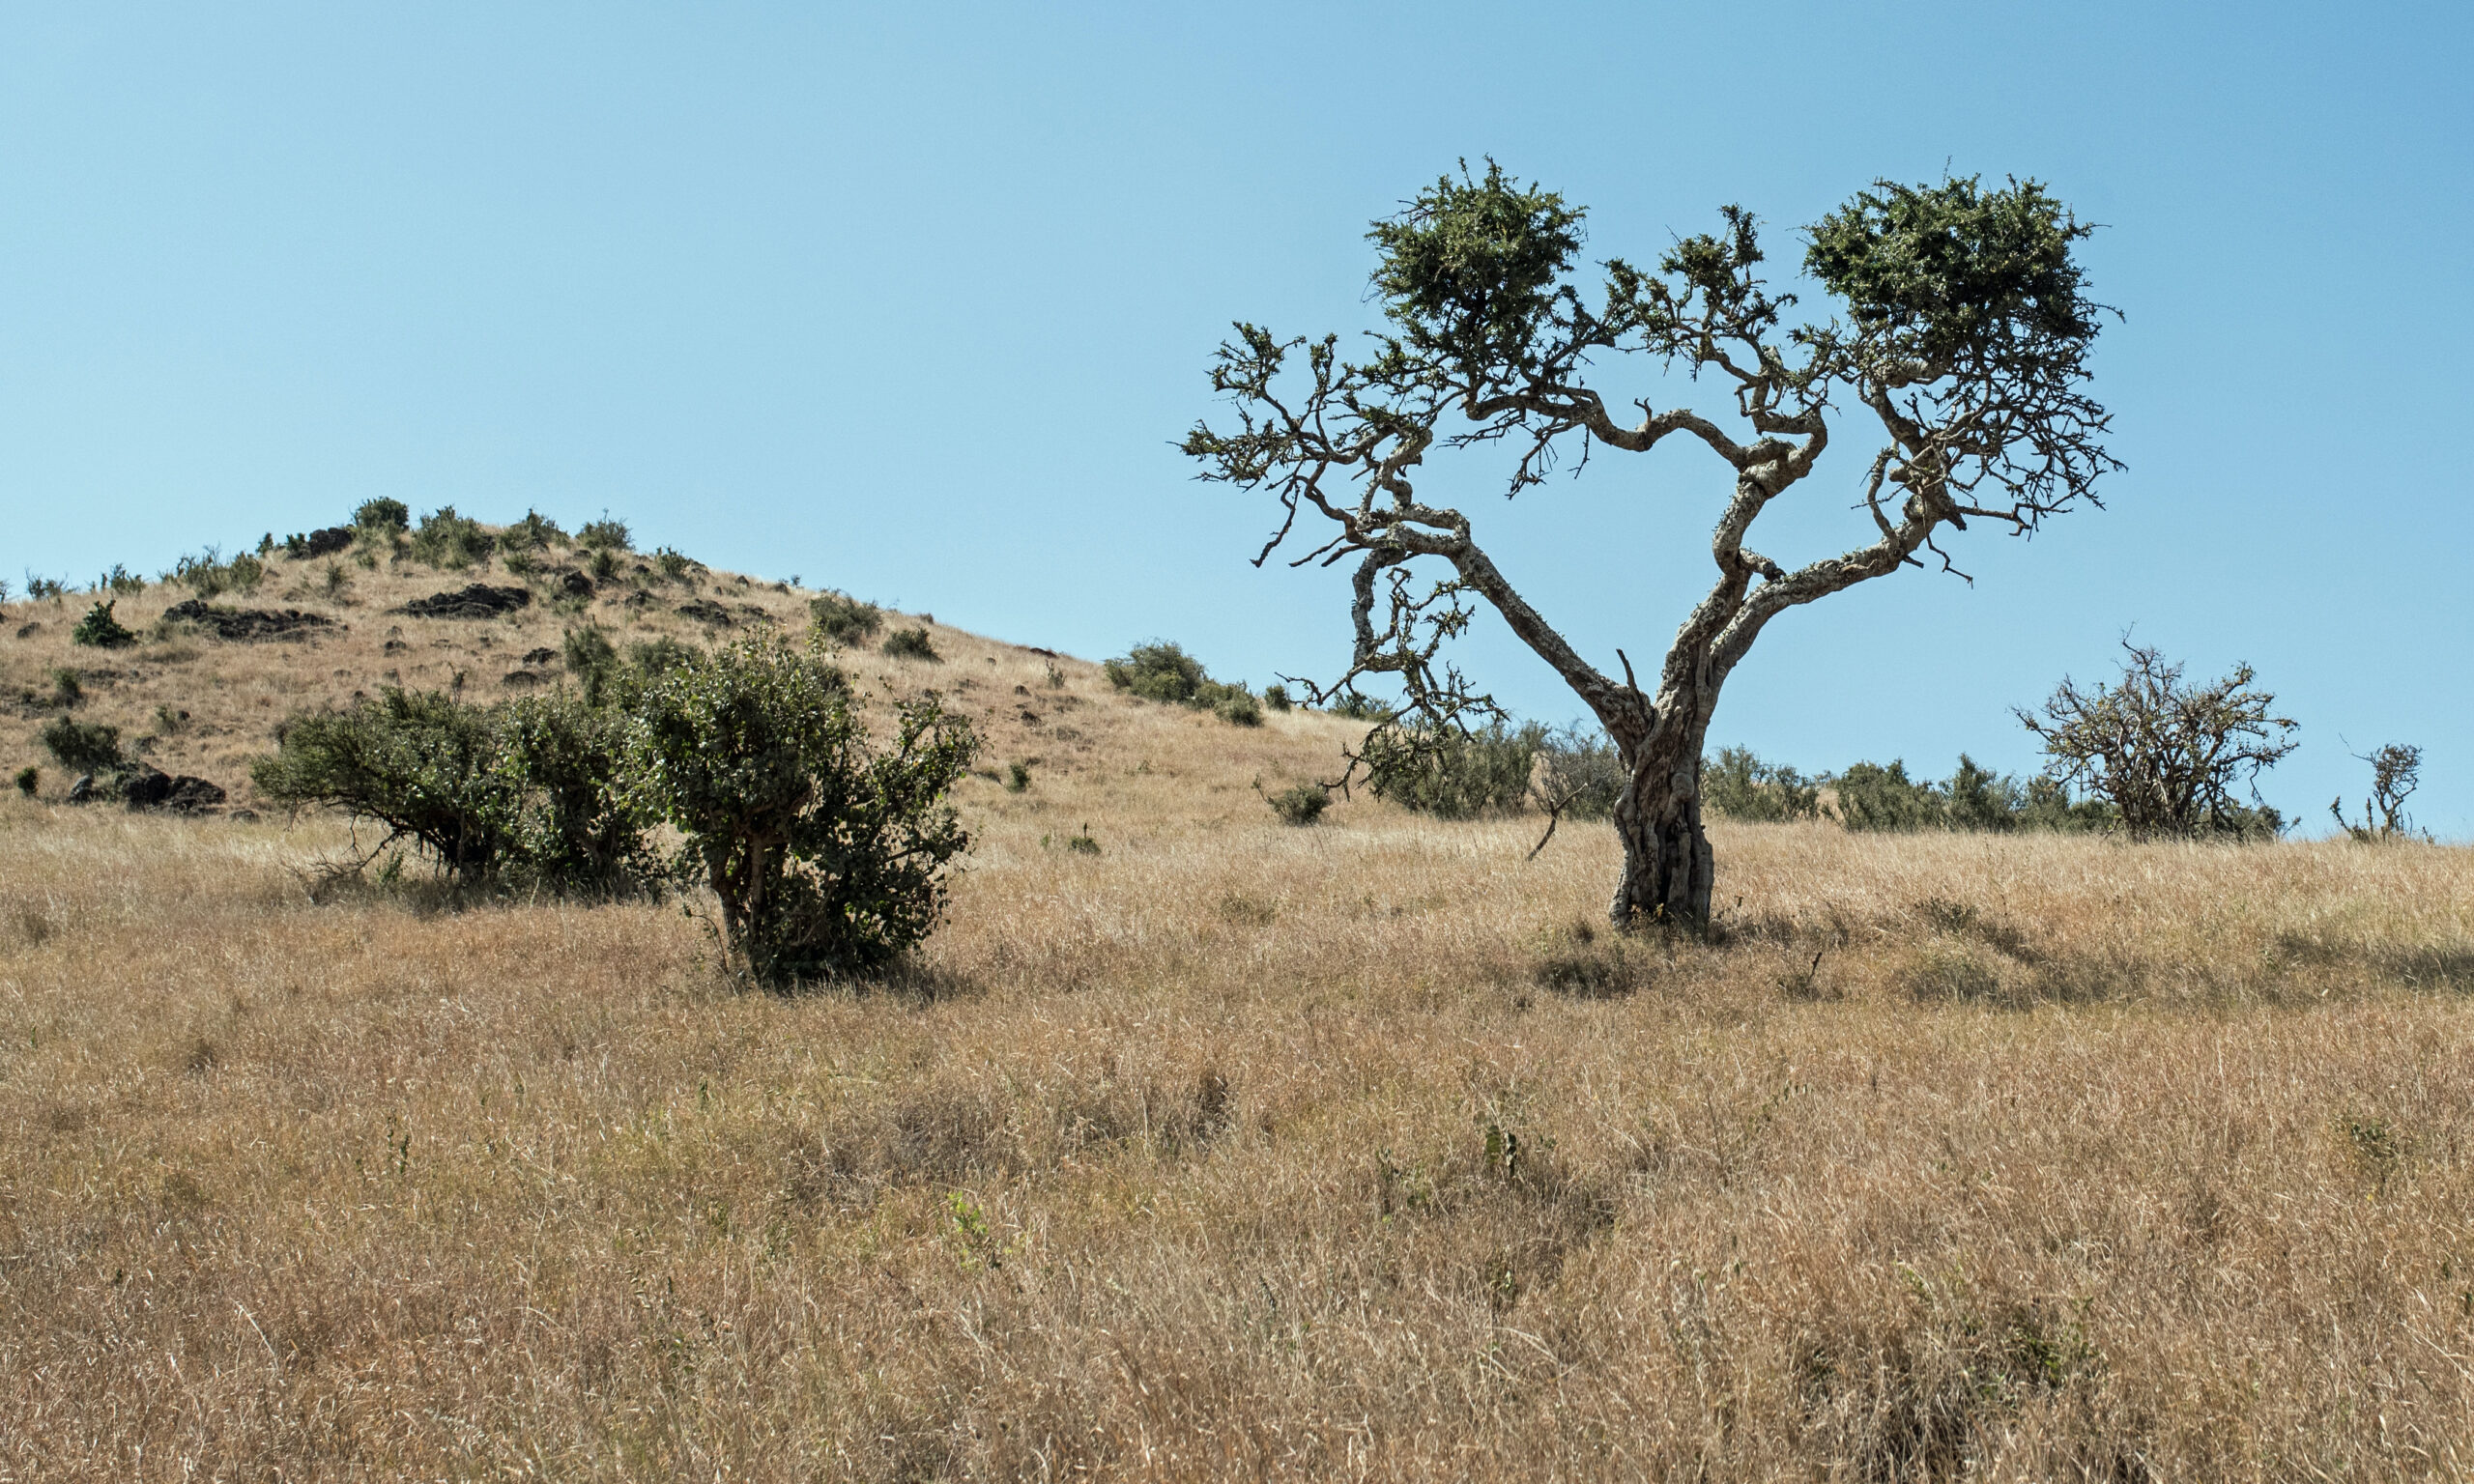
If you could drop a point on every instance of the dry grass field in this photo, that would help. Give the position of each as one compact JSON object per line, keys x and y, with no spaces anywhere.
{"x":1235,"y":1149}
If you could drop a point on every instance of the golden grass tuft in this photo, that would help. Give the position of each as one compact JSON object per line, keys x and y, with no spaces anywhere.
{"x":1351,"y":1151}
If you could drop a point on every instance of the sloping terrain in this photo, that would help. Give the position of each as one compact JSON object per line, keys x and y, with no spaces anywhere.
{"x":1233,"y":1148}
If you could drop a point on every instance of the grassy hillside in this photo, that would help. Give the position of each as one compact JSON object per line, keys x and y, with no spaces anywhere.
{"x":1351,"y":1151}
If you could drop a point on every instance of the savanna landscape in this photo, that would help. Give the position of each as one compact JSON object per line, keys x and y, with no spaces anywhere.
{"x":1195,"y":1143}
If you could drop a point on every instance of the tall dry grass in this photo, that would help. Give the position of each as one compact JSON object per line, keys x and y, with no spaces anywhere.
{"x":1349,"y":1151}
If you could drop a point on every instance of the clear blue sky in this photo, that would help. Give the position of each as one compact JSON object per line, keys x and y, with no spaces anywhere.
{"x":913,"y":301}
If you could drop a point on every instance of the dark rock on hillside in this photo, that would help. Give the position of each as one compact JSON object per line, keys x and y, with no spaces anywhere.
{"x":247,"y":623}
{"x":478,"y":601}
{"x":153,"y":788}
{"x":521,"y":678}
{"x":575,"y":584}
{"x":328,"y":542}
{"x":541,"y":656}
{"x":705,"y":610}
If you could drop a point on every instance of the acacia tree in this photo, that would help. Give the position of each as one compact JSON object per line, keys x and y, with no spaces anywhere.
{"x":2166,"y":754}
{"x":1964,"y":343}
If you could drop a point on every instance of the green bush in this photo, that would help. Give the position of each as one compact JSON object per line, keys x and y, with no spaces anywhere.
{"x":1451,"y":773}
{"x":1739,"y":786}
{"x":534,"y":533}
{"x":1018,"y":777}
{"x":208,"y":575}
{"x":911,"y":645}
{"x":1872,"y":797}
{"x":526,"y":792}
{"x":82,"y":747}
{"x":382,"y":517}
{"x":651,"y":657}
{"x":451,"y":541}
{"x":40,"y":587}
{"x":838,"y":619}
{"x":1299,"y":804}
{"x":603,"y":563}
{"x":1579,"y":772}
{"x":120,"y":580}
{"x":1239,"y":709}
{"x":1158,"y":672}
{"x":66,"y":689}
{"x":674,"y":565}
{"x":101,"y":630}
{"x":593,"y":659}
{"x":827,"y":857}
{"x":1357,"y":706}
{"x":1276,"y":695}
{"x":29,"y":778}
{"x":605,"y":535}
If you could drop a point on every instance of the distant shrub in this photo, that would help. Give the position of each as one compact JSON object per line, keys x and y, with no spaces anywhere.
{"x":451,"y":541}
{"x":1275,"y":696}
{"x":1158,"y":672}
{"x":603,"y":565}
{"x":593,"y":659}
{"x":101,"y":630}
{"x":382,"y":516}
{"x":1239,"y":709}
{"x":1085,"y":843}
{"x":1299,"y":804}
{"x":66,"y":691}
{"x":1451,"y":773}
{"x":1018,"y":777}
{"x":605,"y":535}
{"x":827,"y":856}
{"x":1579,"y":772}
{"x":82,"y":747}
{"x":29,"y":778}
{"x":40,"y":587}
{"x":651,"y":657}
{"x":1739,"y":786}
{"x":838,"y":619}
{"x":672,"y":564}
{"x":120,"y":580}
{"x":208,"y":575}
{"x":1357,"y":706}
{"x":339,"y":581}
{"x":1872,"y":797}
{"x":526,"y":792}
{"x":911,"y":645}
{"x":534,"y":533}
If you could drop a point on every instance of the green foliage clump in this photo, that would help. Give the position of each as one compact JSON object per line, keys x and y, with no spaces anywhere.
{"x":40,"y":588}
{"x":1276,"y":695}
{"x":838,"y":619}
{"x":673,"y":564}
{"x":1452,"y":773}
{"x":605,"y":535}
{"x":451,"y":541}
{"x":382,"y":517}
{"x":101,"y":630}
{"x":208,"y":575}
{"x":1872,"y":797}
{"x":29,"y":778}
{"x":535,"y":532}
{"x":1739,"y":786}
{"x":911,"y":645}
{"x":526,"y":792}
{"x":593,"y":659}
{"x":1018,"y":777}
{"x":66,"y":689}
{"x":82,"y":747}
{"x":1299,"y":804}
{"x":1165,"y":673}
{"x":120,"y":580}
{"x":827,"y":856}
{"x":1357,"y":706}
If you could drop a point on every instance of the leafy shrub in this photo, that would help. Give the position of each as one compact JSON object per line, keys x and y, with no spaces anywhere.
{"x":827,"y":857}
{"x":120,"y":580}
{"x":672,"y":564}
{"x":1739,"y":786}
{"x":837,"y":617}
{"x":40,"y":587}
{"x":527,"y":790}
{"x":1451,"y":773}
{"x":534,"y":533}
{"x":1357,"y":706}
{"x":449,"y":540}
{"x":208,"y":575}
{"x":82,"y":747}
{"x":911,"y":645}
{"x":603,"y":565}
{"x":1299,"y":804}
{"x":382,"y":516}
{"x":1239,"y":709}
{"x":1276,"y":695}
{"x":1158,"y":672}
{"x":1872,"y":797}
{"x":101,"y":630}
{"x":605,"y":535}
{"x":66,"y":691}
{"x":650,"y":657}
{"x":1018,"y":777}
{"x":29,"y":778}
{"x":1579,"y":772}
{"x":593,"y":659}
{"x":2168,"y":755}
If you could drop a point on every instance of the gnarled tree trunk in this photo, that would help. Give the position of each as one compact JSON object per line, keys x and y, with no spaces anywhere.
{"x":1667,"y":864}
